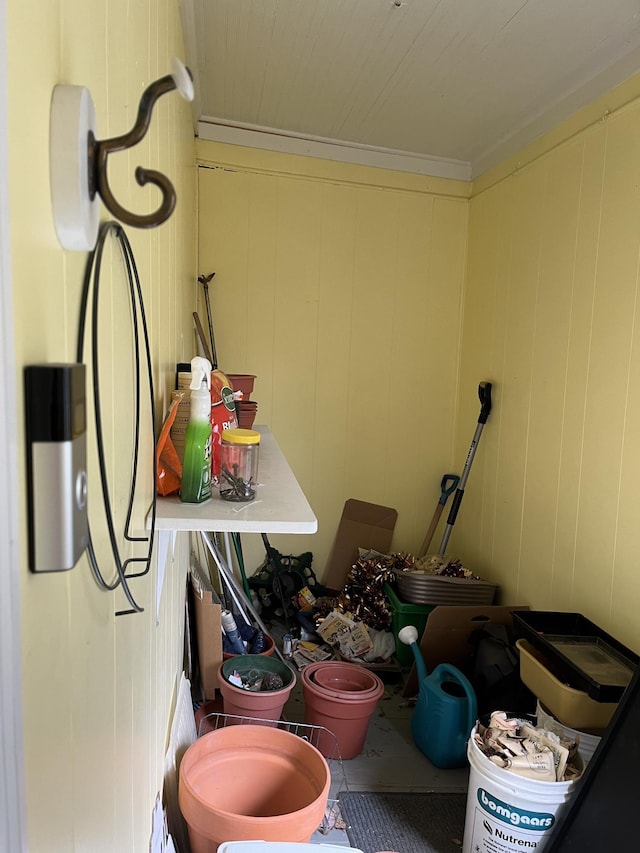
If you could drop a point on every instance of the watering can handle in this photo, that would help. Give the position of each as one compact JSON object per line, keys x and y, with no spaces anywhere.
{"x":464,"y":682}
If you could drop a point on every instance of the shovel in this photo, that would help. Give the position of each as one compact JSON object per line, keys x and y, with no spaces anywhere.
{"x":484,"y":394}
{"x":447,"y":487}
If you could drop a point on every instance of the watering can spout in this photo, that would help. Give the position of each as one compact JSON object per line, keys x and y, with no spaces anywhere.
{"x":409,"y":636}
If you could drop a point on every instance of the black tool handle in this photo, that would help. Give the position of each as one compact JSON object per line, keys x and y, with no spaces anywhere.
{"x":447,"y":486}
{"x":455,"y":506}
{"x":484,"y":393}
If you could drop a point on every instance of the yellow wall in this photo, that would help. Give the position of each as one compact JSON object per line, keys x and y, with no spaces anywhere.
{"x":340,"y":287}
{"x":97,"y":690}
{"x":349,"y":292}
{"x":551,"y":315}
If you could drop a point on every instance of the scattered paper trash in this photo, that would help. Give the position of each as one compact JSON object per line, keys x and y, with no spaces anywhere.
{"x":351,"y":636}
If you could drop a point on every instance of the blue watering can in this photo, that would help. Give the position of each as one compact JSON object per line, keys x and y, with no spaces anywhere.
{"x":446,"y":710}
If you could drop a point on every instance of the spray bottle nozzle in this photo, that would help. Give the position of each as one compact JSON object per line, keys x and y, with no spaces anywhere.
{"x":200,"y":372}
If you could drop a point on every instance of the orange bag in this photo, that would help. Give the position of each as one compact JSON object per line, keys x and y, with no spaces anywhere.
{"x":168,"y":465}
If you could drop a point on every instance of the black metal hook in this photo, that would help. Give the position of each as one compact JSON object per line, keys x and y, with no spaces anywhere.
{"x":99,"y":151}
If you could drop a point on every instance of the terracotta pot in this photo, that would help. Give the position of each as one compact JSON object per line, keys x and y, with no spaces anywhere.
{"x":345,"y":713}
{"x":264,"y":705}
{"x":246,"y":414}
{"x":346,"y":680}
{"x":242,"y":382}
{"x":245,"y":782}
{"x":206,"y":716}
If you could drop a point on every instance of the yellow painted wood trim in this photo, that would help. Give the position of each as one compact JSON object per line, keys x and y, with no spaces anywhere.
{"x":240,"y":158}
{"x":623,"y":96}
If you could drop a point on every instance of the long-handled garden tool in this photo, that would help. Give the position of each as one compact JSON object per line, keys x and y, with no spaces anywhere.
{"x":484,"y":393}
{"x":204,"y":281}
{"x":447,"y":487}
{"x":201,"y":337}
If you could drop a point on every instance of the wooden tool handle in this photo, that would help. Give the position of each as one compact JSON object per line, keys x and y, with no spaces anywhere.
{"x":201,"y":337}
{"x":432,"y":529}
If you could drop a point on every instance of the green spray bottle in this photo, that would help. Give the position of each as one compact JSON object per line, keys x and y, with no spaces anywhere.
{"x":196,"y":467}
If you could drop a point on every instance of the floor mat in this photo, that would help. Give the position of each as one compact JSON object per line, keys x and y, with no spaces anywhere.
{"x":410,"y":823}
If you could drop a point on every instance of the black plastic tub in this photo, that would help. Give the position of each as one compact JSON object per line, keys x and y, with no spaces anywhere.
{"x":582,"y":654}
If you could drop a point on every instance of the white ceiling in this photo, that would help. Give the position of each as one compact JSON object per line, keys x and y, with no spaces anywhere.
{"x":445,"y":87}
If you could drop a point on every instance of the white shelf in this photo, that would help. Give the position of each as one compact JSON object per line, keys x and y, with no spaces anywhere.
{"x":280,"y":505}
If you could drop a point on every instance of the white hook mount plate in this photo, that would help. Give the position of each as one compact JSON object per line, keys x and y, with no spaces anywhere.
{"x":75,"y":215}
{"x":182,"y":79}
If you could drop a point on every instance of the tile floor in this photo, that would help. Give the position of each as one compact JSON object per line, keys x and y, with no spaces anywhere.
{"x":389,"y":761}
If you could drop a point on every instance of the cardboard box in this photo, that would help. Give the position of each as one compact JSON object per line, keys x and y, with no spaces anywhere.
{"x":363,"y":525}
{"x":447,"y":632}
{"x":207,"y":614}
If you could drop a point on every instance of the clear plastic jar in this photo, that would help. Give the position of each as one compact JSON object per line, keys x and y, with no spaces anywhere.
{"x":239,"y":450}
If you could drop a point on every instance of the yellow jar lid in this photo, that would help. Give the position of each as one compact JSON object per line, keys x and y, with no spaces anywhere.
{"x":241,"y":436}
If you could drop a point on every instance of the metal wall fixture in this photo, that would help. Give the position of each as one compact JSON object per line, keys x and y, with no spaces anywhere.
{"x":78,"y":161}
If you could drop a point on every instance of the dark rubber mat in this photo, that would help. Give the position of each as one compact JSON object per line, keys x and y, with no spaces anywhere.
{"x":409,"y":823}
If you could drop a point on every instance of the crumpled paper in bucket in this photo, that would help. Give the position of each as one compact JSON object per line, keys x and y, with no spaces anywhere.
{"x":516,"y":745}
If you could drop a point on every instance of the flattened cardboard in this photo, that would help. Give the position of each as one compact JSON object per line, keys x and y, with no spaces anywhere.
{"x":446,"y":636}
{"x":363,"y":525}
{"x":208,"y":621}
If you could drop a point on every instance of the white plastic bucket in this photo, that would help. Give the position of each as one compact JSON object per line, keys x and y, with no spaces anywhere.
{"x":587,"y":743}
{"x":506,"y":812}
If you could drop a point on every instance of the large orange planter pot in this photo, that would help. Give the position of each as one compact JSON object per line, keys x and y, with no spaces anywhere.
{"x":245,"y":782}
